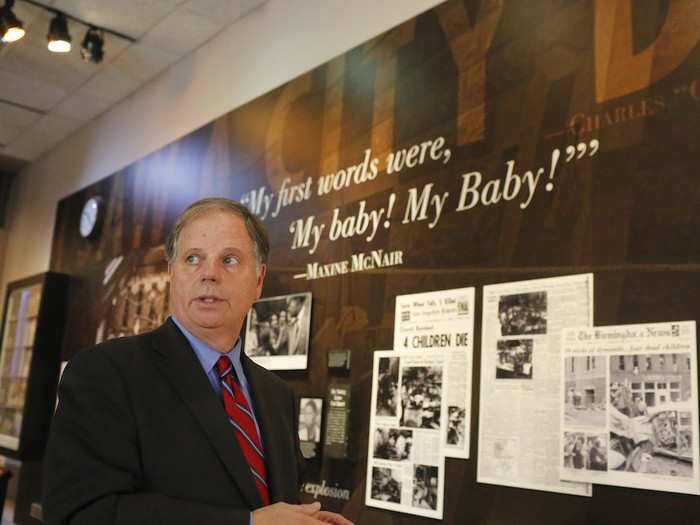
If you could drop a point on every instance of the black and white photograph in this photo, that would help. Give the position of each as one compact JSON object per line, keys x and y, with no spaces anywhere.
{"x":425,"y":486}
{"x":130,"y":295}
{"x":597,"y":452}
{"x":586,"y":451}
{"x":657,"y":443}
{"x":455,"y":425}
{"x":278,"y":331}
{"x":310,"y":418}
{"x":651,"y":414}
{"x":421,"y":396}
{"x":387,"y":386}
{"x":640,"y":382}
{"x":523,"y":313}
{"x":392,"y":443}
{"x":584,"y":391}
{"x":514,"y":359}
{"x":574,"y":454}
{"x":385,"y":486}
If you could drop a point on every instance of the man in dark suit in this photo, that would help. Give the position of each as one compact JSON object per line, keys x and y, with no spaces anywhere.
{"x":148,"y":428}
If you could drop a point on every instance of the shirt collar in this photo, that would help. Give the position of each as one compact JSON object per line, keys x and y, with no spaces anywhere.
{"x":206,"y":354}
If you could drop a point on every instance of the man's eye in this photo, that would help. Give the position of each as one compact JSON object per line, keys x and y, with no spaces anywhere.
{"x":192,"y":259}
{"x":230,"y":260}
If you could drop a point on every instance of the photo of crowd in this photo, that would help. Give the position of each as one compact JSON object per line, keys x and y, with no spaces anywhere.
{"x":514,"y":359}
{"x":387,"y":386}
{"x":425,"y":485}
{"x":585,"y":451}
{"x":385,"y":487}
{"x":523,"y":313}
{"x":421,"y":395}
{"x":392,"y":443}
{"x":279,"y":326}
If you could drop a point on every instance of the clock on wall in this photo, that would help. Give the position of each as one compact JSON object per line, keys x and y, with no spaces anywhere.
{"x":91,"y":217}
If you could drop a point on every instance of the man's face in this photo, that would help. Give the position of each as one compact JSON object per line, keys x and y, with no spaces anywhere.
{"x":213,"y":281}
{"x":309,"y":414}
{"x":294,"y":306}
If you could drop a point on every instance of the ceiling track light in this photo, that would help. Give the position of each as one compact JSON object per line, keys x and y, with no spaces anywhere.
{"x":59,"y":39}
{"x":92,"y":47}
{"x":11,"y":29}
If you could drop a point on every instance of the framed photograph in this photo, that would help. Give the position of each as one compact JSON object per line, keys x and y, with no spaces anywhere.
{"x":278,"y":331}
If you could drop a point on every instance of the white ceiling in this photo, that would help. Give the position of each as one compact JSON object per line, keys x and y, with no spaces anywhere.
{"x":52,"y":95}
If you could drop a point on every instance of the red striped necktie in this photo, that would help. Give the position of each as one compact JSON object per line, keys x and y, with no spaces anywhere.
{"x":241,"y":417}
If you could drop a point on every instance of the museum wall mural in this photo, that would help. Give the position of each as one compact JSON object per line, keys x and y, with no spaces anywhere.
{"x":482,"y":142}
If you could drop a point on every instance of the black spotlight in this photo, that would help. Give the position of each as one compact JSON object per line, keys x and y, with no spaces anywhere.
{"x":92,"y":46}
{"x":59,"y":39}
{"x":11,"y":29}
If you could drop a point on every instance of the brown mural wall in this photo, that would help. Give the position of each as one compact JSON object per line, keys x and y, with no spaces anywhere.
{"x":483,"y":141}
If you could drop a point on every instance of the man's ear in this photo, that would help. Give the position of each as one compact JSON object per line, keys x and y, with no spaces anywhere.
{"x":261,"y":278}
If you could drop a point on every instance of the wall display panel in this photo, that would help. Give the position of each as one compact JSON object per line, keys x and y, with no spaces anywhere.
{"x":478,"y":143}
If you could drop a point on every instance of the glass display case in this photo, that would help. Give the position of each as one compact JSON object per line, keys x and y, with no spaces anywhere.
{"x":29,"y":359}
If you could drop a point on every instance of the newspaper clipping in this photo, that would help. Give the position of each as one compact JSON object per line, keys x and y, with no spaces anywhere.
{"x":405,"y":461}
{"x":629,"y":406}
{"x":520,"y":379}
{"x":443,"y":320}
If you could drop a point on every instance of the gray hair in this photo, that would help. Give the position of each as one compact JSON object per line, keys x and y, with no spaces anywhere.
{"x":256,"y":229}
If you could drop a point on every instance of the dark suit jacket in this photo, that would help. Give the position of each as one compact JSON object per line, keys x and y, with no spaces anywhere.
{"x":140,"y":437}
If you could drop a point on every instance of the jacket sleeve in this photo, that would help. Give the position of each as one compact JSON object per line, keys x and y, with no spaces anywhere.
{"x":92,"y":466}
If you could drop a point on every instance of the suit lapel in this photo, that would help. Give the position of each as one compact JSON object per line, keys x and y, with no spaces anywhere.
{"x":267,"y":410}
{"x":180,"y":366}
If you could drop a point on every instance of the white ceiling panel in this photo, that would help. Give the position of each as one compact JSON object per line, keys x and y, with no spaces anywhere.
{"x":169,"y":35}
{"x":84,"y":105}
{"x":141,"y":62}
{"x":216,"y":10}
{"x":111,"y":85}
{"x":44,"y":133}
{"x":29,"y":91}
{"x":14,"y":121}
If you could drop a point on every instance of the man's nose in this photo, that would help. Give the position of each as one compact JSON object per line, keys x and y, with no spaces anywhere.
{"x":211,"y":270}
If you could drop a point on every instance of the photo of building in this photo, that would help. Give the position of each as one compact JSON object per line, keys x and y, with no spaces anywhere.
{"x":648,"y":380}
{"x":584,"y":390}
